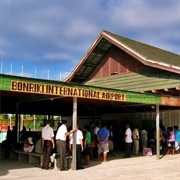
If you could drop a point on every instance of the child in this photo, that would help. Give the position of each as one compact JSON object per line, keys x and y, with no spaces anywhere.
{"x":27,"y":146}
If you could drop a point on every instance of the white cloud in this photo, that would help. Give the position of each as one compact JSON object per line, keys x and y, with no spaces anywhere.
{"x":57,"y":34}
{"x":139,"y":13}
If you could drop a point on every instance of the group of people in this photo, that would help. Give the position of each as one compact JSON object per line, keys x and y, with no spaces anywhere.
{"x":172,"y":142}
{"x":97,"y":139}
{"x":169,"y":140}
{"x":133,"y":140}
{"x":25,"y":138}
{"x":63,"y":140}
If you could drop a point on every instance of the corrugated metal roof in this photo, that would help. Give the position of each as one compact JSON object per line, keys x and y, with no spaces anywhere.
{"x":152,"y":79}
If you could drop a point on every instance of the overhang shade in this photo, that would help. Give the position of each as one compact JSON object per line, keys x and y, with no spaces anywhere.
{"x":56,"y":88}
{"x":62,"y":89}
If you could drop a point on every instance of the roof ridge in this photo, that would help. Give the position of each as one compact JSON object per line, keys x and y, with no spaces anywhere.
{"x":126,"y":38}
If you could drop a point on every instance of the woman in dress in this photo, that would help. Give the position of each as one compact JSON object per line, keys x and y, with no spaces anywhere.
{"x":144,"y":137}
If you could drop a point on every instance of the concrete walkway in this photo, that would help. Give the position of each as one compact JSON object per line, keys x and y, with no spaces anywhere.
{"x":136,"y":168}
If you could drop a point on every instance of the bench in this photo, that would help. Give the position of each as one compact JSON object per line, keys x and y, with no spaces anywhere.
{"x":36,"y":158}
{"x":57,"y":162}
{"x":32,"y":158}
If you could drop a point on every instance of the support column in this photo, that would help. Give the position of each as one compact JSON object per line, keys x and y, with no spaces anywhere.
{"x":74,"y":118}
{"x":157,"y":133}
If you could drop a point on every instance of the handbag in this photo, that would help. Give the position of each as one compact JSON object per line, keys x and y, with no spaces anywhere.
{"x":147,"y":152}
{"x":169,"y":144}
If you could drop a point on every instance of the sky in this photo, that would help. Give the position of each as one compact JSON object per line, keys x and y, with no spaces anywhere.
{"x":46,"y":39}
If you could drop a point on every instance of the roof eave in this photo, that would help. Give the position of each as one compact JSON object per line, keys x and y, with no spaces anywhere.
{"x":69,"y":78}
{"x":163,"y":66}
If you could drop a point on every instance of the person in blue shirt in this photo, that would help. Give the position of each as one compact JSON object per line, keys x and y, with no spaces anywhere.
{"x":177,"y":138}
{"x":103,"y":143}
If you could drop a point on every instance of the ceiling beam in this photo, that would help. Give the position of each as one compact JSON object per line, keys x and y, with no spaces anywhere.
{"x":170,"y":101}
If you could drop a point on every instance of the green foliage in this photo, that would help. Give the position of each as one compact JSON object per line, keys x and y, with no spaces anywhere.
{"x":28,"y":121}
{"x":5,"y":116}
{"x":38,"y":124}
{"x":13,"y":116}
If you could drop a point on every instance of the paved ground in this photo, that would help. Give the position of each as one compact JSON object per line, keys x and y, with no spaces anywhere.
{"x":135,"y":168}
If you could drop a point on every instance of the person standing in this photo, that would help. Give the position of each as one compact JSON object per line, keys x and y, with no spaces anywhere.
{"x":111,"y":139}
{"x":47,"y":144}
{"x":161,"y":139}
{"x":14,"y":137}
{"x":96,"y":129}
{"x":177,"y":138}
{"x":171,"y":141}
{"x":61,"y":135}
{"x":136,"y":140}
{"x":79,"y":147}
{"x":87,"y":142}
{"x":92,"y":144}
{"x":23,"y":134}
{"x":9,"y":136}
{"x":103,"y":143}
{"x":144,"y":137}
{"x":128,"y":141}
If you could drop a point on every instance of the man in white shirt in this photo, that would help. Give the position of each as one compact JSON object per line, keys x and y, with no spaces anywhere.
{"x":128,"y":141}
{"x":61,"y":135}
{"x":79,"y":147}
{"x":47,"y":144}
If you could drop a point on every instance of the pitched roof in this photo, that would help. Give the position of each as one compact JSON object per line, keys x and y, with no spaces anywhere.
{"x":148,"y":55}
{"x":148,"y":52}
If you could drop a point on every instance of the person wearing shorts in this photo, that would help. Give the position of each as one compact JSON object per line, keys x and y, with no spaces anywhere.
{"x":103,"y":143}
